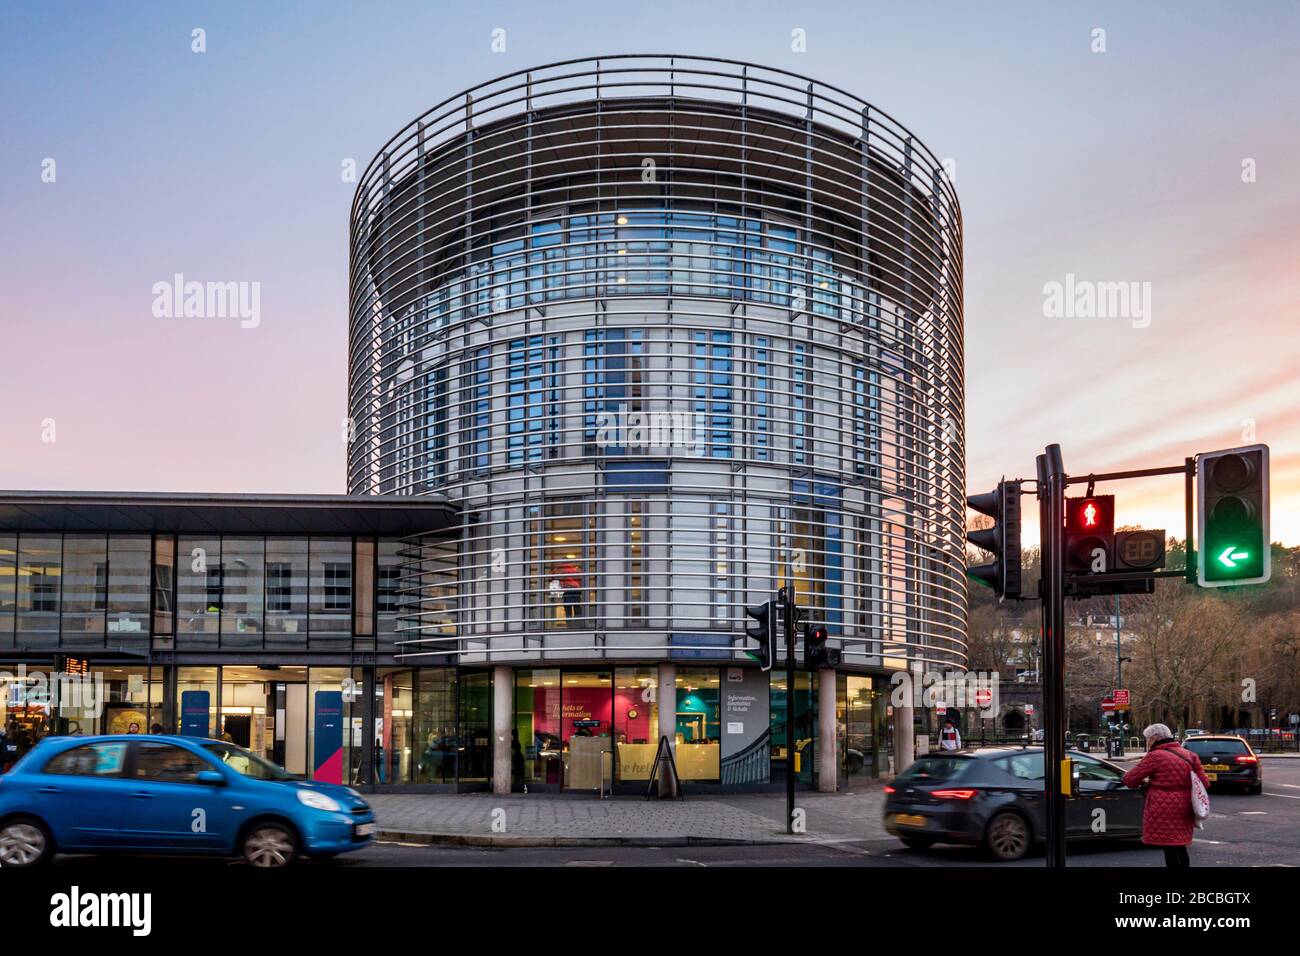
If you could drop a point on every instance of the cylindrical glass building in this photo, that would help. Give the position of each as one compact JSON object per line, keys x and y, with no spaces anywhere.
{"x":672,"y":332}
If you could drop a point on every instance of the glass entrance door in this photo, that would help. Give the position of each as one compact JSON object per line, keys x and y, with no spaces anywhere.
{"x":586,"y":709}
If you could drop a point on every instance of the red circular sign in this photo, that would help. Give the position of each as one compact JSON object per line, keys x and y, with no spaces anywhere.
{"x":983,"y":697}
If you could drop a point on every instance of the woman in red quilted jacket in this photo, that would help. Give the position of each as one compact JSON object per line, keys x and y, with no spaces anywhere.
{"x":1167,"y":819}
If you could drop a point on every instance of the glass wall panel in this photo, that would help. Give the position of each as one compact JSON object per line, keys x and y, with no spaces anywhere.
{"x":286,"y":593}
{"x":40,"y":567}
{"x":247,"y":705}
{"x":85,"y":589}
{"x":698,"y":727}
{"x":132,"y":699}
{"x":394,"y":707}
{"x":537,"y":727}
{"x":804,"y":722}
{"x":198,"y":592}
{"x":8,"y":587}
{"x":475,"y":763}
{"x":636,"y":722}
{"x":330,"y":592}
{"x":242,"y":579}
{"x":329,"y":725}
{"x":196,"y":714}
{"x":435,"y":725}
{"x":128,"y":589}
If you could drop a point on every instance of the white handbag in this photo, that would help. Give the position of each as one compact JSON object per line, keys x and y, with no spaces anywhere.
{"x":1200,"y":796}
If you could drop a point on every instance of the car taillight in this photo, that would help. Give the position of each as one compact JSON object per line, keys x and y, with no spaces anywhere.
{"x":889,"y":790}
{"x":954,"y":794}
{"x":1247,"y":759}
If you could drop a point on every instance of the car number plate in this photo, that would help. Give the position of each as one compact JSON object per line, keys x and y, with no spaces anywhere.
{"x":1211,"y":776}
{"x":1217,"y":766}
{"x":909,"y":819}
{"x":365,"y":829}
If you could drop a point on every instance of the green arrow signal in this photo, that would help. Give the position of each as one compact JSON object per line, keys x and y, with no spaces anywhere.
{"x":1231,"y":556}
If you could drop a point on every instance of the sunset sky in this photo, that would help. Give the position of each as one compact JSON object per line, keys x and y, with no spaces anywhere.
{"x":1116,"y":166}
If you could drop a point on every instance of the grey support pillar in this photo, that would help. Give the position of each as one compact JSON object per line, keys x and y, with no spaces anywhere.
{"x":828,"y":767}
{"x":666,"y":701}
{"x":904,"y":740}
{"x":503,"y":712}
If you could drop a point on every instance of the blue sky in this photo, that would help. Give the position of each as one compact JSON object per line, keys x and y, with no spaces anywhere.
{"x":1122,"y":165}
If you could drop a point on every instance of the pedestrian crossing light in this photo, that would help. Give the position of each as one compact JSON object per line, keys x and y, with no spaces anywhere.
{"x":1232,"y":527}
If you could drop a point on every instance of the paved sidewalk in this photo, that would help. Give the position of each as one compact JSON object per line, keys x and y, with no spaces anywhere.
{"x":483,"y":819}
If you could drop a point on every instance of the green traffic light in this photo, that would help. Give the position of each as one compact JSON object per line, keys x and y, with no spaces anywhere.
{"x":1231,"y":556}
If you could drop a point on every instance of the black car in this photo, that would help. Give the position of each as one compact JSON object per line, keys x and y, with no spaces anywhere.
{"x":1228,"y":761}
{"x":994,"y":798}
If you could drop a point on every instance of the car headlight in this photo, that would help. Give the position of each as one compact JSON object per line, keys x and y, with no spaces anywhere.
{"x":318,"y":801}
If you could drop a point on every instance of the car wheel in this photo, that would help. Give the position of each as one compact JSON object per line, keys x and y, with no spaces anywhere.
{"x":1007,"y":837}
{"x":270,"y":845}
{"x":1256,"y":790}
{"x":917,"y":842}
{"x":24,"y":841}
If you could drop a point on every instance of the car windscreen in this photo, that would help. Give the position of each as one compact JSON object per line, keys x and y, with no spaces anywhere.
{"x":937,"y":769}
{"x":245,"y":762}
{"x":1206,"y":748}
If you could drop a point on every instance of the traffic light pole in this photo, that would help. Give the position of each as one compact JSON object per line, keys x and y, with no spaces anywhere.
{"x":788,"y":612}
{"x":1051,"y":505}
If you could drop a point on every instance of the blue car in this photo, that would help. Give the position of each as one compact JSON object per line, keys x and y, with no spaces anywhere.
{"x":171,"y":795}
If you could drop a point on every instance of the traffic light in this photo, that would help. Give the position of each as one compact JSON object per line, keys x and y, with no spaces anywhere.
{"x":1090,"y":534}
{"x":1232,"y":537}
{"x":815,"y":651}
{"x":1002,"y":540}
{"x":764,"y":630}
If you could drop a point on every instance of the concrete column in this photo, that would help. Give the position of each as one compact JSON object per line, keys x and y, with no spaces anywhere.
{"x":828,"y":768}
{"x":666,"y":701}
{"x":904,"y":742}
{"x":503,"y":717}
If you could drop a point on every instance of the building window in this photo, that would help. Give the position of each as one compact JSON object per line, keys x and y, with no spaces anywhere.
{"x":634,"y":601}
{"x":436,"y":414}
{"x":800,"y":399}
{"x":533,"y":399}
{"x":762,"y":400}
{"x":476,"y":411}
{"x":278,"y":575}
{"x":101,"y":586}
{"x":389,"y":576}
{"x":546,"y":254}
{"x":330,"y":595}
{"x":338,"y":586}
{"x":612,"y":385}
{"x":712,"y":390}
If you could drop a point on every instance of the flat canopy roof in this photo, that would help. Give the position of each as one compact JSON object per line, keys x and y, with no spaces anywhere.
{"x":224,"y":514}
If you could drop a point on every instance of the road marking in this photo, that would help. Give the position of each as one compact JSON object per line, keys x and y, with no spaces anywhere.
{"x":1253,"y":813}
{"x":1211,"y":842}
{"x":589,"y":863}
{"x":1285,"y":796}
{"x":690,"y":862}
{"x":1293,"y":786}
